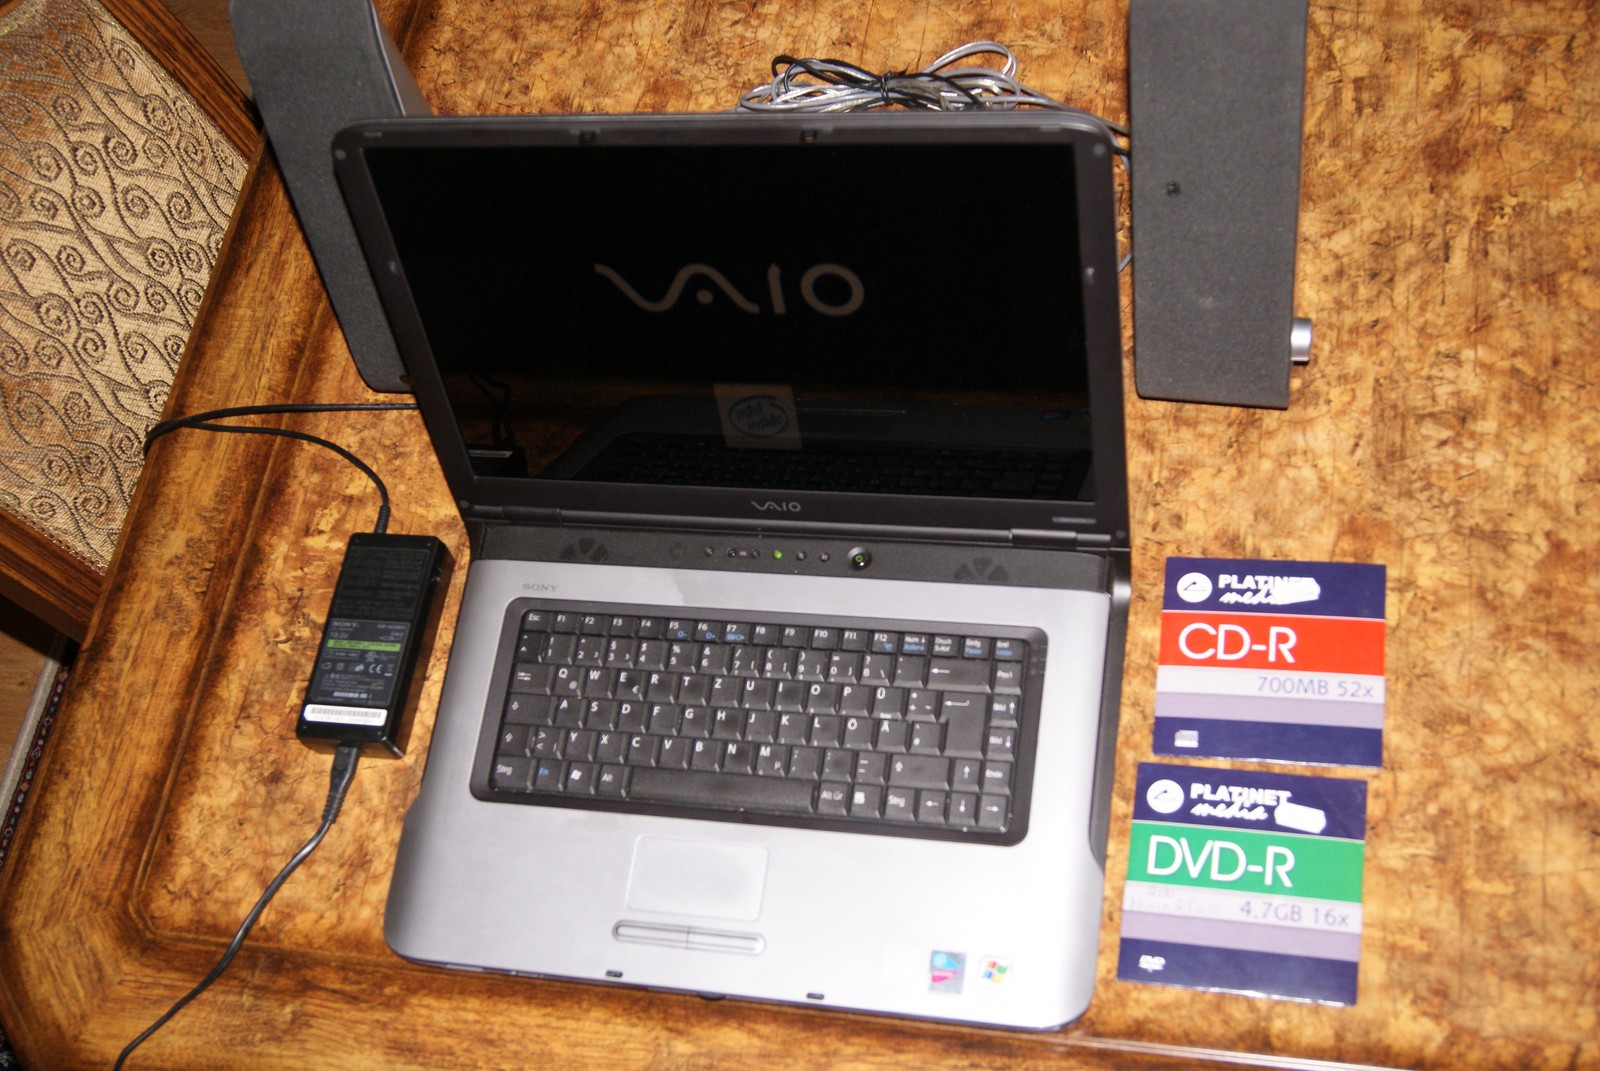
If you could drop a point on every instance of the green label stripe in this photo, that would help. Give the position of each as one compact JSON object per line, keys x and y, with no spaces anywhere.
{"x":362,"y":645}
{"x":1246,"y":860}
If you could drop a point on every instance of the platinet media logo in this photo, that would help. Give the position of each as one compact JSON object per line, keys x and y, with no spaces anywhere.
{"x":1249,"y":589}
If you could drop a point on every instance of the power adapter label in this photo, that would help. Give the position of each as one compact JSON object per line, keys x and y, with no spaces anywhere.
{"x":359,"y":684}
{"x":354,"y":682}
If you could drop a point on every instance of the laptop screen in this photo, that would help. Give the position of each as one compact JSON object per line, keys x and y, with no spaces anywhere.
{"x":798,"y":319}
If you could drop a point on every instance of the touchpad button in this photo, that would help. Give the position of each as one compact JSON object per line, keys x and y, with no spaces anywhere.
{"x":700,"y":878}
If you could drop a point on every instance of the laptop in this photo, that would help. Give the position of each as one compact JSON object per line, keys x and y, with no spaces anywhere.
{"x":791,"y":453}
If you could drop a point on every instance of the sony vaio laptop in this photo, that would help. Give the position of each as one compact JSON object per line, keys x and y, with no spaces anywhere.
{"x":791,"y":452}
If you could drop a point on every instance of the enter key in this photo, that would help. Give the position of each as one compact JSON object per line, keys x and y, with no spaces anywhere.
{"x":963,"y":716}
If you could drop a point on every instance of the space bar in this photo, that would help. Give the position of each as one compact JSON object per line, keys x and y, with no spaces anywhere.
{"x":720,"y":790}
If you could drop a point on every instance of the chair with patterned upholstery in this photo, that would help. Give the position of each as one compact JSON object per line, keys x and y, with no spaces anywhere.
{"x":123,"y":147}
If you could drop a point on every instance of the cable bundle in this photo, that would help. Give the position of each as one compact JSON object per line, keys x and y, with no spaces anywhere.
{"x":830,"y":85}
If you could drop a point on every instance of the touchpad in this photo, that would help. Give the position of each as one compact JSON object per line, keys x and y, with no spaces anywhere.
{"x":702,"y":878}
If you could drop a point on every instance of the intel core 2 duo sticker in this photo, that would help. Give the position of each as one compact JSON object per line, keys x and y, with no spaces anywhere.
{"x":946,"y":971}
{"x":1245,"y":882}
{"x":1278,"y":661}
{"x":757,"y":417}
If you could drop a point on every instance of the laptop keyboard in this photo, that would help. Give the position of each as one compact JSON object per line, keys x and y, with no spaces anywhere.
{"x":863,"y":467}
{"x":876,"y":726}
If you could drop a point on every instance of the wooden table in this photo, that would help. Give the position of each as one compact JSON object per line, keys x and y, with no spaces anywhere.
{"x":1449,"y":428}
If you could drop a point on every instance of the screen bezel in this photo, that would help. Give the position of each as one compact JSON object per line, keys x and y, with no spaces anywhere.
{"x":1101,"y":522}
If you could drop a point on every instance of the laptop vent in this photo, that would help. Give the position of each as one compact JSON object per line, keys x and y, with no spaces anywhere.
{"x":585,"y":550}
{"x":984,"y":569}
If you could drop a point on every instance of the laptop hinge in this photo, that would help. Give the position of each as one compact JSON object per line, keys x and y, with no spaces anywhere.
{"x":514,"y":514}
{"x":1034,"y":537}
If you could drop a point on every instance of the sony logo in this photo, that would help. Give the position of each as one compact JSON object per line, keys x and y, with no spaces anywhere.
{"x":842,"y":292}
{"x":546,"y":588}
{"x":780,"y":507}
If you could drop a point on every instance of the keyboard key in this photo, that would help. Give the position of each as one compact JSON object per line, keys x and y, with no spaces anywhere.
{"x":528,"y":677}
{"x":926,"y":739}
{"x":697,"y":788}
{"x":893,"y":736}
{"x":871,"y":768}
{"x":579,"y":744}
{"x":844,"y":667}
{"x":919,"y":771}
{"x":738,"y":758}
{"x":992,"y":812}
{"x":930,"y":807}
{"x":513,"y":740}
{"x":858,"y":733}
{"x":855,"y":700}
{"x":997,"y":777}
{"x":674,"y":753}
{"x":610,"y":781}
{"x":910,"y":671}
{"x":547,"y":775}
{"x":889,"y":703}
{"x":611,"y":748}
{"x":706,"y":755}
{"x":866,"y":801}
{"x":578,"y":779}
{"x":833,"y":799}
{"x":963,"y":809}
{"x":806,"y":763}
{"x":823,"y":699}
{"x":1008,"y":678}
{"x":559,"y":650}
{"x":922,"y":704}
{"x":962,"y":715}
{"x":966,"y":776}
{"x":528,"y":709}
{"x":793,"y":729}
{"x":513,"y":774}
{"x":900,"y":805}
{"x":1002,"y":744}
{"x":958,"y":673}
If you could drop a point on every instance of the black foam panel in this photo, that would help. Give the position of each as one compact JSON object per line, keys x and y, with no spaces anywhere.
{"x":1216,"y":102}
{"x":315,"y":66}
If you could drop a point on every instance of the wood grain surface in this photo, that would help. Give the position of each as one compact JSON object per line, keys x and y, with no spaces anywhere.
{"x":1448,"y":428}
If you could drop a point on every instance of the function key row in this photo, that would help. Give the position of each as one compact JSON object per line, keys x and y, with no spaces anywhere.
{"x":821,"y":638}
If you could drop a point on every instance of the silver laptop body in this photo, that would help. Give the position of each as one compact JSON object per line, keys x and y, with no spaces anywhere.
{"x":710,"y":388}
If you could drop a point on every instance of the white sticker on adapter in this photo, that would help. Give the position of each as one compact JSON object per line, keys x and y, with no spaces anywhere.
{"x":321,"y":712}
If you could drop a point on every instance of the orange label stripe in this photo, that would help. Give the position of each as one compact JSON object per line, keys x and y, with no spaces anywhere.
{"x":1282,"y":642}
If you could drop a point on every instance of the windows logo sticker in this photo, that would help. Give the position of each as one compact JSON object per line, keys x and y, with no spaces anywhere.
{"x":994,"y":970}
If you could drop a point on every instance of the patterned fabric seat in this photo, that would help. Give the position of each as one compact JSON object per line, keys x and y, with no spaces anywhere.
{"x":116,"y":190}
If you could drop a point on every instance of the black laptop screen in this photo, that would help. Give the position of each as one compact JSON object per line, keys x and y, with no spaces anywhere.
{"x":844,"y":318}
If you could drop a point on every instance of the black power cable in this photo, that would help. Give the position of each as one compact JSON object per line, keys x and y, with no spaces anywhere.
{"x":207,"y":422}
{"x":343,"y":772}
{"x":345,"y":756}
